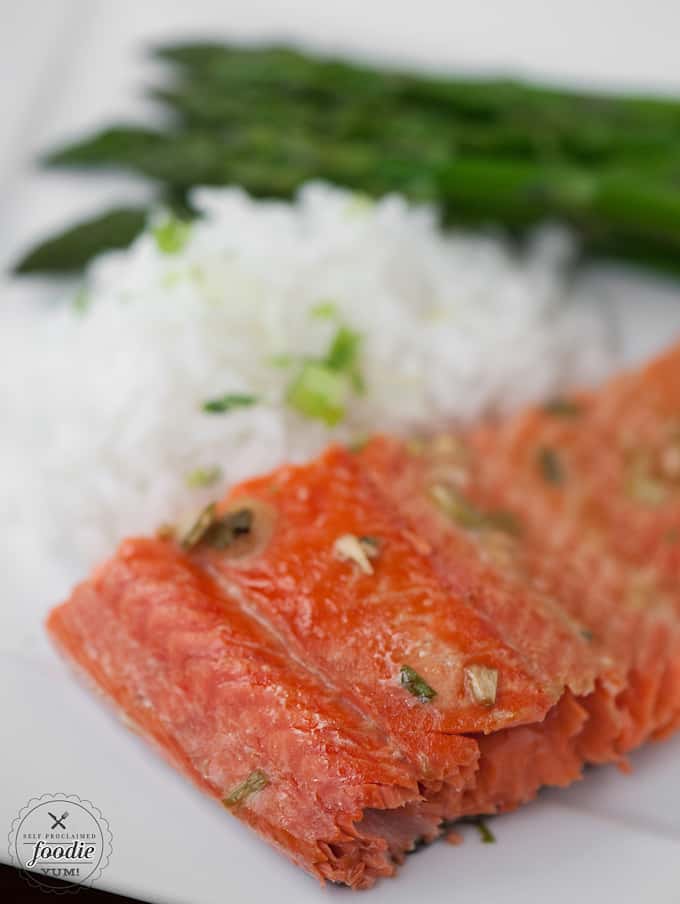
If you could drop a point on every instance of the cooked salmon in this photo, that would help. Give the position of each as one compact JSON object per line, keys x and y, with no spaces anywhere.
{"x":352,"y":653}
{"x":223,"y":700}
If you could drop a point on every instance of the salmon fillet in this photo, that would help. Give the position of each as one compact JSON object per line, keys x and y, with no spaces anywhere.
{"x":224,"y":701}
{"x":612,"y":495}
{"x":351,"y":653}
{"x":585,"y":587}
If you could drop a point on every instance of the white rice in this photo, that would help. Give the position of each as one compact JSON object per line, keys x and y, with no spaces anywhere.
{"x":101,"y":411}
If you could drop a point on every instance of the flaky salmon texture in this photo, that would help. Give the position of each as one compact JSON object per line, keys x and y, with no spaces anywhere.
{"x":350,"y":654}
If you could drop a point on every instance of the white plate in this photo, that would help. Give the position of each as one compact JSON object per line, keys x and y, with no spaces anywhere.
{"x":613,"y":838}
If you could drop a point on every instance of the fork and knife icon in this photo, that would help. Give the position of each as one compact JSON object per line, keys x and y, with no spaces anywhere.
{"x":58,"y":820}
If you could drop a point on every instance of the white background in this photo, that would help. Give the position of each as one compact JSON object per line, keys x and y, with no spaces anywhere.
{"x":72,"y":65}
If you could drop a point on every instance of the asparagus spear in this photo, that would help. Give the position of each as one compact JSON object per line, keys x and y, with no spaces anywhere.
{"x":614,"y":211}
{"x":474,"y":188}
{"x":492,"y":151}
{"x":389,"y":129}
{"x":473,"y":116}
{"x":587,"y":131}
{"x":482,"y":99}
{"x":611,"y":209}
{"x":262,"y":160}
{"x":71,"y":250}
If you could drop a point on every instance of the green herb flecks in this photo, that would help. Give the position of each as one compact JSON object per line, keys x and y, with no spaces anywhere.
{"x":228,"y":528}
{"x":255,"y":782}
{"x":166,"y":531}
{"x":643,"y":485}
{"x":415,"y":684}
{"x":217,"y":531}
{"x":359,"y":550}
{"x":319,"y":393}
{"x":550,"y":465}
{"x":323,"y":387}
{"x":359,"y":443}
{"x":360,"y":203}
{"x":563,"y":408}
{"x":171,"y":234}
{"x":371,"y":545}
{"x":324,"y":310}
{"x":485,"y":833}
{"x":203,"y":477}
{"x":81,"y":301}
{"x":466,"y":515}
{"x":199,"y":527}
{"x":281,"y":360}
{"x":344,"y":350}
{"x":229,"y":402}
{"x":482,"y":682}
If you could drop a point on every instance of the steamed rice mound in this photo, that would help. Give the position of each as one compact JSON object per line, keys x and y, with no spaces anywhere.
{"x":108,"y":422}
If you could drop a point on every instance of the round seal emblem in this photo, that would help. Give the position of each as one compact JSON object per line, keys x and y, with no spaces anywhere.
{"x":60,"y":836}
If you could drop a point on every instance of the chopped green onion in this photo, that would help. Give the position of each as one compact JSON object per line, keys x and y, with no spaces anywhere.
{"x":359,"y":550}
{"x":460,"y":510}
{"x":171,"y":235}
{"x":550,"y":465}
{"x":563,"y":408}
{"x":324,"y":310}
{"x":321,"y":388}
{"x":217,"y":532}
{"x":414,"y":684}
{"x":642,"y":484}
{"x":82,"y":300}
{"x":416,"y":446}
{"x":672,"y":535}
{"x":359,"y":443}
{"x":344,"y":350}
{"x":485,"y":833}
{"x":669,"y":459}
{"x":507,"y":522}
{"x":228,"y":402}
{"x":203,"y":477}
{"x":370,"y":545}
{"x":255,"y":782}
{"x":359,"y":204}
{"x":647,"y":490}
{"x":199,"y":527}
{"x":358,"y":383}
{"x":166,"y":531}
{"x":319,"y":392}
{"x":223,"y":531}
{"x":281,"y":360}
{"x":483,"y":684}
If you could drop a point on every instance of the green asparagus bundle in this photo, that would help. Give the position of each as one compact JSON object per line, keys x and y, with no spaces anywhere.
{"x":489,"y":152}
